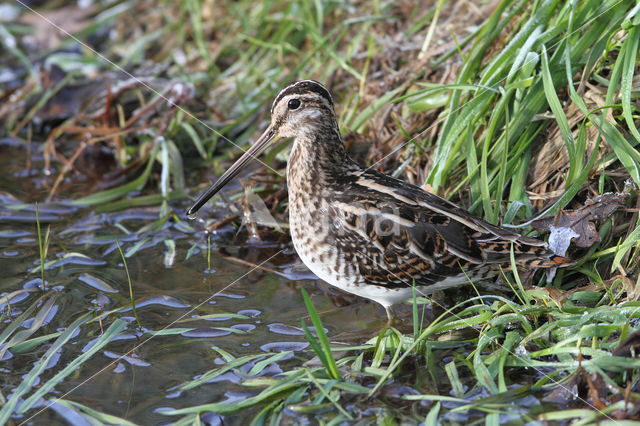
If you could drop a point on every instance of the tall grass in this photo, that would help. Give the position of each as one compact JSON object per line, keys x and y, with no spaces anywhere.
{"x":42,"y":246}
{"x":531,"y":107}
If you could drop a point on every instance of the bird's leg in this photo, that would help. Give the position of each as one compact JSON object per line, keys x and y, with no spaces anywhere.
{"x":389,"y":314}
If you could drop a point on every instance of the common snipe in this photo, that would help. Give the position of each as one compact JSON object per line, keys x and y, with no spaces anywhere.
{"x":368,"y":233}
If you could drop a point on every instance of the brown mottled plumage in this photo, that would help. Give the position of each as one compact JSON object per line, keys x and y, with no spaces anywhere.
{"x":368,"y":233}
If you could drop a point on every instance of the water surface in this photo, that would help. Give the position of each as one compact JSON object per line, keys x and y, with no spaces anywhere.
{"x":227,"y":305}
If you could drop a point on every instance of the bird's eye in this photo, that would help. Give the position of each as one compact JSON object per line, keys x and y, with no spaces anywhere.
{"x":294,"y":103}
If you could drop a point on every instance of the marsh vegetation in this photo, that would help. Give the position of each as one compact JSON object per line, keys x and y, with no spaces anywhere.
{"x":115,"y":308}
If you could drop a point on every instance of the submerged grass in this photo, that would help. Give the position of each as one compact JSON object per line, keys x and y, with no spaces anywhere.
{"x":508,"y":108}
{"x":320,"y":345}
{"x":126,"y":269}
{"x":42,"y":247}
{"x":505,"y":343}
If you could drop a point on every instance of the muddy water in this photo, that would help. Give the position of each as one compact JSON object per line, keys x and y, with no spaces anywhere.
{"x":248,"y":310}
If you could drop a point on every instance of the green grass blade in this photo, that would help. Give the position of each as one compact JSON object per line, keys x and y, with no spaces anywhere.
{"x":109,"y":334}
{"x":432,"y":417}
{"x":557,"y":110}
{"x":261,"y":365}
{"x":631,"y":241}
{"x":195,"y":138}
{"x":36,"y":324}
{"x":629,"y":52}
{"x":624,"y":150}
{"x":36,"y":370}
{"x":126,"y":269}
{"x":101,"y":418}
{"x":316,"y":347}
{"x":327,"y":394}
{"x":16,"y":323}
{"x":322,"y":337}
{"x":454,"y":379}
{"x":278,"y":388}
{"x":211,"y":374}
{"x":414,"y":310}
{"x":40,"y":247}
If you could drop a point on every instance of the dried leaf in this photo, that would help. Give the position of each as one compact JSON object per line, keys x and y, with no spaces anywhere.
{"x":568,"y":223}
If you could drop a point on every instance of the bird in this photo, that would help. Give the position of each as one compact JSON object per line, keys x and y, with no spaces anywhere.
{"x":368,"y":233}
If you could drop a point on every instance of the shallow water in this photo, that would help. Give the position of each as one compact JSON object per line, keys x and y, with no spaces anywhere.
{"x":248,"y":309}
{"x":198,"y":300}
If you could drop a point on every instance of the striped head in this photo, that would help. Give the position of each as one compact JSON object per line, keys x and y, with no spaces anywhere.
{"x":302,"y":110}
{"x":301,"y":106}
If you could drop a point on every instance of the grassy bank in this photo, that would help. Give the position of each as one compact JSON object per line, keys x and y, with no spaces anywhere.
{"x":513,"y":109}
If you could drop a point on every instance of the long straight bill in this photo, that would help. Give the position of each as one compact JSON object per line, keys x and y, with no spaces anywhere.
{"x":256,"y":149}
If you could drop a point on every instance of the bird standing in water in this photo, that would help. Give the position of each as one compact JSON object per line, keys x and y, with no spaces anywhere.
{"x":368,"y":233}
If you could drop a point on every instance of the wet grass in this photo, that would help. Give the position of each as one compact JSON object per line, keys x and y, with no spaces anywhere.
{"x":513,"y":109}
{"x":505,"y":342}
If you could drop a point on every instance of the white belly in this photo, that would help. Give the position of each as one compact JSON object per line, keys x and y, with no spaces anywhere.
{"x":324,"y":260}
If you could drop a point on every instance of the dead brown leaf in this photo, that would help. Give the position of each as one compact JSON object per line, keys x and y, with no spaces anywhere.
{"x":596,"y":390}
{"x":582,"y":221}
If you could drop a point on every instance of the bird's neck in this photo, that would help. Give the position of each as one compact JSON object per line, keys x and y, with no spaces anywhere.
{"x":317,"y":156}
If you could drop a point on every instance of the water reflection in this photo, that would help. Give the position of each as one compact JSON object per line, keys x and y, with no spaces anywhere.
{"x":191,"y":320}
{"x":255,"y":310}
